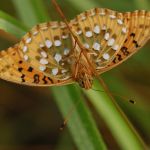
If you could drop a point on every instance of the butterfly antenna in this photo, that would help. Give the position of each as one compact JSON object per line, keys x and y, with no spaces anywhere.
{"x":115,"y":94}
{"x":69,"y":114}
{"x":67,"y":24}
{"x":111,"y":94}
{"x":63,"y":17}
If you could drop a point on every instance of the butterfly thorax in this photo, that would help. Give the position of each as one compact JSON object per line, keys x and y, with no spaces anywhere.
{"x":83,"y":72}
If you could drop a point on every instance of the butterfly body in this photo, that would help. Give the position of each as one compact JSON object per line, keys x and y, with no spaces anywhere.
{"x":96,"y":41}
{"x":83,"y":70}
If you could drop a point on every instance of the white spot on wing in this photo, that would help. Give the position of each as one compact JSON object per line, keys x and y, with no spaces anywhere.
{"x":43,"y":61}
{"x":45,"y":28}
{"x":58,"y":57}
{"x":93,"y":13}
{"x":97,"y":29}
{"x":111,"y":42}
{"x":25,"y":48}
{"x":35,"y":33}
{"x":42,"y":68}
{"x":102,"y":13}
{"x":54,"y":71}
{"x":65,"y":36}
{"x":79,"y":32}
{"x":83,"y":18}
{"x":106,"y":56}
{"x":57,"y":43}
{"x":104,"y":27}
{"x":96,"y":46}
{"x":28,"y":40}
{"x":54,"y":26}
{"x":106,"y":36}
{"x":48,"y":43}
{"x":120,"y":21}
{"x":124,"y":30}
{"x":62,"y":64}
{"x":88,"y":34}
{"x":63,"y":71}
{"x":44,"y":54}
{"x":66,"y":51}
{"x":41,"y":45}
{"x":86,"y":45}
{"x":112,"y":16}
{"x":26,"y":57}
{"x":115,"y":47}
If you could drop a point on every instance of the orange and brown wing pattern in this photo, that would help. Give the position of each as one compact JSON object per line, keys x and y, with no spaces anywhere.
{"x":47,"y":48}
{"x":14,"y":69}
{"x":102,"y":32}
{"x":46,"y":55}
{"x":41,"y":58}
{"x":138,"y":35}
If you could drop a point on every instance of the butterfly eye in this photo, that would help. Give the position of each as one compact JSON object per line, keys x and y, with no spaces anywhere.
{"x":91,"y":80}
{"x":81,"y":83}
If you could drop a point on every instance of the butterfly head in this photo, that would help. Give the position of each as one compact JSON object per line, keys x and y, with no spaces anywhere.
{"x":85,"y":81}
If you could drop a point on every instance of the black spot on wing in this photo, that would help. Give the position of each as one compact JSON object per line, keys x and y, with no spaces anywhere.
{"x":125,"y":51}
{"x":44,"y":79}
{"x":20,"y":62}
{"x":50,"y":80}
{"x":30,"y":69}
{"x":36,"y":79}
{"x":132,"y":34}
{"x":22,"y":77}
{"x":119,"y":57}
{"x":20,"y":69}
{"x":136,"y":43}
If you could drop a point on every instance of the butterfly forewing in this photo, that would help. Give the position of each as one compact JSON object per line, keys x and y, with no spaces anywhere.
{"x":102,"y":32}
{"x":47,"y":48}
{"x":41,"y":58}
{"x":138,"y":35}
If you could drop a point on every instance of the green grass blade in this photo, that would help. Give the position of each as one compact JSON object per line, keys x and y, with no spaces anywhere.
{"x":81,"y":124}
{"x":83,"y":5}
{"x":25,"y":11}
{"x":120,"y":127}
{"x":40,"y":10}
{"x":134,"y":111}
{"x":142,"y":4}
{"x":11,"y":25}
{"x":31,"y":11}
{"x":125,"y":130}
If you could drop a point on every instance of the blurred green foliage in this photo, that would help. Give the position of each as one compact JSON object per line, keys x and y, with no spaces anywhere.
{"x":30,"y":118}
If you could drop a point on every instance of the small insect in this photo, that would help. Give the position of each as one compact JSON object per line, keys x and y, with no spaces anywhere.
{"x":56,"y":53}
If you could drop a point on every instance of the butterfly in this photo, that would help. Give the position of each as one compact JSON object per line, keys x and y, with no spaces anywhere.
{"x":56,"y":53}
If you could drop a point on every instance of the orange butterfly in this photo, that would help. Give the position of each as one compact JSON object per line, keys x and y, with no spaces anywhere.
{"x":56,"y":53}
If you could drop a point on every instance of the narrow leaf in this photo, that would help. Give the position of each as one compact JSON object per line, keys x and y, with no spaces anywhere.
{"x":11,"y":25}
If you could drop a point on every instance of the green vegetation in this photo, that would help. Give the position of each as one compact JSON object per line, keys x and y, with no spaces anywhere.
{"x":82,"y":125}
